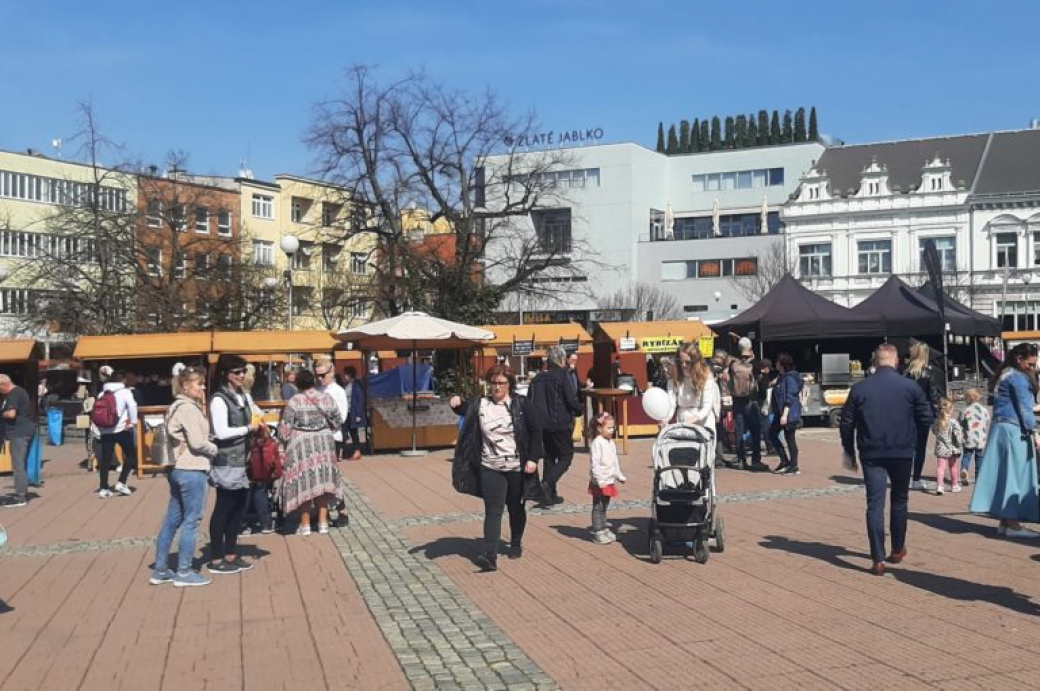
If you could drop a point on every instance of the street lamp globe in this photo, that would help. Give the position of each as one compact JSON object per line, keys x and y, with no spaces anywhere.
{"x":270,"y":283}
{"x":1026,"y":277}
{"x":718,"y":295}
{"x":290,"y":244}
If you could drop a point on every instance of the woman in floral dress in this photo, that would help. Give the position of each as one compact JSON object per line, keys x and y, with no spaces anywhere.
{"x":310,"y":477}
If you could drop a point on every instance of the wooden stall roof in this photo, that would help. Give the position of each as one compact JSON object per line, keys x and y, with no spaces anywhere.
{"x":690,"y":330}
{"x":274,"y":342}
{"x":16,"y":350}
{"x":138,"y":346}
{"x":1021,"y":335}
{"x":544,"y":334}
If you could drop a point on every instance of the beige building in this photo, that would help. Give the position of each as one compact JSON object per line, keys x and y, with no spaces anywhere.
{"x":33,"y":188}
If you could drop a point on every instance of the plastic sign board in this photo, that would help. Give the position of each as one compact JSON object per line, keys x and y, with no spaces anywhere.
{"x":569,"y":344}
{"x":706,"y":344}
{"x":627,"y":344}
{"x":523,"y":347}
{"x":661,"y":344}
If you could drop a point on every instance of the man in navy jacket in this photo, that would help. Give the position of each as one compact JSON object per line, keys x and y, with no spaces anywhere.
{"x":880,"y":420}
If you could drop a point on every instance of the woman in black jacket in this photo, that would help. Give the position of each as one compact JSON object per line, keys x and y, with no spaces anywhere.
{"x":500,"y":442}
{"x":921,"y":371}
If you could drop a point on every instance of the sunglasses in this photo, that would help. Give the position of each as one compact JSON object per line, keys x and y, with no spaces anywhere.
{"x":241,"y":370}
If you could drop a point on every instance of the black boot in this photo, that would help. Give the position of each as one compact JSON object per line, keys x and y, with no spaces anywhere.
{"x":515,"y":551}
{"x":486,"y":561}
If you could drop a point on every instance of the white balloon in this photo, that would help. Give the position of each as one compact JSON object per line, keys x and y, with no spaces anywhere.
{"x":657,"y":404}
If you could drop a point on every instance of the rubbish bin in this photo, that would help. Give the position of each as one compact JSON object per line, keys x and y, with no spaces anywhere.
{"x":56,"y":425}
{"x":34,"y":462}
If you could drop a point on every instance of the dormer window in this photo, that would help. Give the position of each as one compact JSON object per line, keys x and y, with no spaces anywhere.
{"x":873,"y":188}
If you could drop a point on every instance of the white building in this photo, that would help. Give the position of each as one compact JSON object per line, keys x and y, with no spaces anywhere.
{"x":865,"y":211}
{"x":690,"y":224}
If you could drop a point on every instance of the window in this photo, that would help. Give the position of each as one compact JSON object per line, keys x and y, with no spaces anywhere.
{"x":180,"y":265}
{"x":1021,"y":315}
{"x":814,"y":260}
{"x":744,"y":180}
{"x":224,"y":222}
{"x":330,"y":213}
{"x":154,"y":258}
{"x":15,"y":301}
{"x":729,"y":181}
{"x":154,"y":213}
{"x":359,"y":308}
{"x":712,"y":182}
{"x":738,"y":179}
{"x":35,"y":188}
{"x":695,"y":308}
{"x":1007,"y":249}
{"x":947,"y":249}
{"x":300,"y":206}
{"x":776,"y":176}
{"x":553,"y":229}
{"x":263,"y":253}
{"x":180,"y":218}
{"x":263,"y":206}
{"x":358,"y":263}
{"x":225,"y":267}
{"x":1036,"y":249}
{"x":875,"y":256}
{"x":303,"y":299}
{"x":302,"y":259}
{"x":201,"y":220}
{"x":19,"y":243}
{"x":709,"y":268}
{"x":330,"y":254}
{"x":201,"y":264}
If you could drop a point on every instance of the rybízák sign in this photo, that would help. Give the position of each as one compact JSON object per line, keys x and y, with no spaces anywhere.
{"x":661,"y":344}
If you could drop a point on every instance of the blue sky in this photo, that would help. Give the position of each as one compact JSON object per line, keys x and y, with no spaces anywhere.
{"x":226,"y":81}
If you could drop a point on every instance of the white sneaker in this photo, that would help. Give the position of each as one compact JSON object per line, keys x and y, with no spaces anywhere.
{"x":323,"y":529}
{"x":602,"y":537}
{"x":104,"y":493}
{"x":918,"y":485}
{"x":1022,"y":533}
{"x":123,"y":489}
{"x":956,"y":489}
{"x":303,"y":530}
{"x":939,"y":490}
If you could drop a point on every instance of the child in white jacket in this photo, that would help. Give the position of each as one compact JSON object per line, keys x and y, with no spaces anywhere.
{"x":604,"y":474}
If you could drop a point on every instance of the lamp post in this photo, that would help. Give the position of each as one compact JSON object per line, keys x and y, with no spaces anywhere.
{"x":290,"y":244}
{"x":1026,"y":278}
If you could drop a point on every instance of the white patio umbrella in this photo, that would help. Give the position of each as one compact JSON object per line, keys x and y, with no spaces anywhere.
{"x":716,"y":218}
{"x":414,"y":330}
{"x":765,"y":215}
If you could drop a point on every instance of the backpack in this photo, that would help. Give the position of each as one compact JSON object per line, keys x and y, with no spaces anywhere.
{"x":105,"y":413}
{"x":742,"y":379}
{"x":265,"y":457}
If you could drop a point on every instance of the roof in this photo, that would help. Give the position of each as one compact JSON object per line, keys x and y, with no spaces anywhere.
{"x":16,"y":350}
{"x":790,"y":311}
{"x":904,"y":160}
{"x":543,"y":334}
{"x":688,"y":329}
{"x":1011,"y":164}
{"x":272,"y":342}
{"x":137,"y":346}
{"x":903,"y":311}
{"x":984,"y":325}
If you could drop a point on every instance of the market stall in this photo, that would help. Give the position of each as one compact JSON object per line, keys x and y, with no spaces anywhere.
{"x":151,"y":357}
{"x":625,"y":351}
{"x":18,"y":360}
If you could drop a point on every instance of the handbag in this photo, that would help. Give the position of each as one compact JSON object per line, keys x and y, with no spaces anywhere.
{"x":161,"y":450}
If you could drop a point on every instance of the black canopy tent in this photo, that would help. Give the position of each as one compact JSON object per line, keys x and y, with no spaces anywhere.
{"x":984,"y":325}
{"x":904,"y":311}
{"x":790,"y":311}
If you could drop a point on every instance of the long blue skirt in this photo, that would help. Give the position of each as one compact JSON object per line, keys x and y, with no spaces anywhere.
{"x":1007,"y":482}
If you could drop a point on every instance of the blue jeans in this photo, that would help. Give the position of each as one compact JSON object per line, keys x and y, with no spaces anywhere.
{"x":966,"y":459}
{"x":748,"y":420}
{"x":187,"y":504}
{"x":876,"y":473}
{"x":258,"y":511}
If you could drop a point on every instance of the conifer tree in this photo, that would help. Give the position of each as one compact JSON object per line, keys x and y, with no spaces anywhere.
{"x":774,"y":129}
{"x":740,"y":127}
{"x":673,"y":142}
{"x":763,"y":128}
{"x":695,"y":136}
{"x":705,"y":136}
{"x":716,"y":133}
{"x":684,"y":137}
{"x":814,"y":131}
{"x":799,"y":125}
{"x":788,"y":133}
{"x":660,"y":138}
{"x":728,"y":142}
{"x":753,"y":136}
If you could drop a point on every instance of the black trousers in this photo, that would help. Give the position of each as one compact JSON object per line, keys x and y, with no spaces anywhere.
{"x":920,"y":452}
{"x":790,"y":456}
{"x":559,"y":452}
{"x":125,"y":439}
{"x":502,"y":490}
{"x":226,"y":521}
{"x":355,"y":440}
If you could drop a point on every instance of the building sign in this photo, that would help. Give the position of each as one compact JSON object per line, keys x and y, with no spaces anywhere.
{"x":661,"y":344}
{"x":627,"y":344}
{"x":569,"y":344}
{"x":706,"y":344}
{"x":522,"y":348}
{"x":553,"y":138}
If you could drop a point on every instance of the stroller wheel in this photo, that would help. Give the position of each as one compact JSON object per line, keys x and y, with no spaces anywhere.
{"x":700,"y":551}
{"x":720,"y":535}
{"x":656,"y":551}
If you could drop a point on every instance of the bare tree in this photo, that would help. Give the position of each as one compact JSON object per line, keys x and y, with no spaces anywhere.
{"x":102,"y":264}
{"x":414,"y":145}
{"x":645,"y":301}
{"x":768,"y":268}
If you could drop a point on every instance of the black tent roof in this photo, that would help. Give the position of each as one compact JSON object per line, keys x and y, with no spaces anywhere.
{"x":791,"y":311}
{"x":904,"y":311}
{"x":985,"y":325}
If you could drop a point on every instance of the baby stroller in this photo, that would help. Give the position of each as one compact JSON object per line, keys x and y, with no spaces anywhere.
{"x":682,"y":508}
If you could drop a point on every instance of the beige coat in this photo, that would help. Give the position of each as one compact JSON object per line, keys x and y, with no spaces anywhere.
{"x":189,"y":435}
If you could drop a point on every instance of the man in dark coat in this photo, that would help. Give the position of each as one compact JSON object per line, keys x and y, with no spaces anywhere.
{"x":880,"y":421}
{"x":556,"y":404}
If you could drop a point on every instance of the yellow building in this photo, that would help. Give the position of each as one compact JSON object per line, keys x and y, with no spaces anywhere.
{"x":33,"y":188}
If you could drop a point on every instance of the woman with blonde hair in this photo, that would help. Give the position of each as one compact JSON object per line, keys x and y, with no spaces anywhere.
{"x":931,"y":382}
{"x":692,"y":389}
